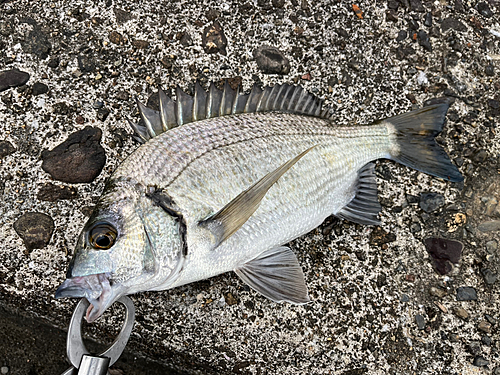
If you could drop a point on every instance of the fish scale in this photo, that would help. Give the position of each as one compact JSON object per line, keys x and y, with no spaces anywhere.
{"x":237,"y":178}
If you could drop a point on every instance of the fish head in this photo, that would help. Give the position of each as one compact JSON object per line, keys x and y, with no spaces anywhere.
{"x":127,"y":246}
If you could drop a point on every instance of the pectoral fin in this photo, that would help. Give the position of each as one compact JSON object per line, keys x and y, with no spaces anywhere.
{"x":231,"y":218}
{"x":276,"y":274}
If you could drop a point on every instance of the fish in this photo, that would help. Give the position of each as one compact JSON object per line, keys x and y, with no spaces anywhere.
{"x":223,"y":180}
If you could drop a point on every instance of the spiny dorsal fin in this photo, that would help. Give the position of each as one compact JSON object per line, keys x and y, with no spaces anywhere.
{"x":364,"y":207}
{"x":203,"y":105}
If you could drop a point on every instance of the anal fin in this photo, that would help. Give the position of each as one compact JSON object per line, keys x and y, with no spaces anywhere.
{"x":277,"y":275}
{"x":364,"y":207}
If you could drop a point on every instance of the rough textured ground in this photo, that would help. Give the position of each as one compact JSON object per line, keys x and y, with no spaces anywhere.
{"x":378,"y":304}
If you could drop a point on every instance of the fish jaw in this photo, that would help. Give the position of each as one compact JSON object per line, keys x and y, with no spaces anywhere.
{"x":97,"y":289}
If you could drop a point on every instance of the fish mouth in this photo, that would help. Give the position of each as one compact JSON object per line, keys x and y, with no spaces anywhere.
{"x":97,"y":289}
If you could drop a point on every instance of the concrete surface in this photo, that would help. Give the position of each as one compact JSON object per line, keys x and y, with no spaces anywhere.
{"x":378,"y":305}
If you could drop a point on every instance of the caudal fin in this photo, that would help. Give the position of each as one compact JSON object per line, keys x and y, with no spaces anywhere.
{"x":415,"y":145}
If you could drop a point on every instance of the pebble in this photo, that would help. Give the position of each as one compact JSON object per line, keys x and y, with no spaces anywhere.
{"x":35,"y":229}
{"x":486,"y":340}
{"x":393,"y":4}
{"x":51,"y":193}
{"x":122,"y":16}
{"x":479,"y":361}
{"x":86,"y":63}
{"x":12,"y":78}
{"x":78,"y":159}
{"x":489,"y":276}
{"x":6,"y":148}
{"x":140,"y":44}
{"x":452,"y":23}
{"x":37,"y":43}
{"x":466,"y":293}
{"x":40,"y":88}
{"x":419,"y":319}
{"x":489,"y":70}
{"x":102,"y":113}
{"x":428,"y":19}
{"x":461,"y":313}
{"x":430,"y":202}
{"x":424,"y":41}
{"x":402,"y":35}
{"x":484,"y":9}
{"x":54,"y":62}
{"x":441,"y":251}
{"x":489,"y":226}
{"x":484,"y":326}
{"x":4,"y":370}
{"x":230,"y":300}
{"x":404,"y":298}
{"x":271,"y":60}
{"x":416,"y":6}
{"x":391,"y":15}
{"x":213,"y":39}
{"x":116,"y":38}
{"x":437,"y":292}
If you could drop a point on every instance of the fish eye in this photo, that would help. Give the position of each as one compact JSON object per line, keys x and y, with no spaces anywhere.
{"x":102,"y":236}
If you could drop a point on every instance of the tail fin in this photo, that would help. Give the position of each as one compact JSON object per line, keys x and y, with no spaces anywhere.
{"x":415,"y":146}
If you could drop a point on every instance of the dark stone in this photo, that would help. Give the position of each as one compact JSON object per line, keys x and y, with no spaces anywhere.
{"x":441,"y":251}
{"x":466,"y":293}
{"x":186,"y":40}
{"x":459,"y":6}
{"x":86,"y":63}
{"x":381,"y":280}
{"x":495,"y":104}
{"x":484,"y":9}
{"x":12,"y":78}
{"x":35,"y":229}
{"x":489,"y":276}
{"x":122,"y":16}
{"x":54,"y":62}
{"x":6,"y":148}
{"x":213,"y":39}
{"x":391,"y":15}
{"x":140,"y":44}
{"x":51,"y":193}
{"x":419,"y":319}
{"x":402,"y":35}
{"x":61,"y":108}
{"x":430,"y":202}
{"x":37,"y":43}
{"x":78,"y":159}
{"x":278,"y":3}
{"x":361,"y":255}
{"x":428,"y":19}
{"x":452,"y":23}
{"x":489,"y":70}
{"x":102,"y":113}
{"x":486,"y":340}
{"x":393,"y":4}
{"x":116,"y":38}
{"x":413,"y":24}
{"x":403,"y":52}
{"x":212,"y":14}
{"x":404,"y":298}
{"x":271,"y":60}
{"x":416,"y":6}
{"x":40,"y":88}
{"x":480,"y":361}
{"x":424,"y":41}
{"x":474,"y":347}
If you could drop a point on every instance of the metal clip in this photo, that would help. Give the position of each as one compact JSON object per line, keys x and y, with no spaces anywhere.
{"x":85,"y":363}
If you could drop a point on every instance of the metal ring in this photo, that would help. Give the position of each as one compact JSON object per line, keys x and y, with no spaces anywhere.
{"x":76,"y":348}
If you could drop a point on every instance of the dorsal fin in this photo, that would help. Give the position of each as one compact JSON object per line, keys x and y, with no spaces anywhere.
{"x":364,"y":207}
{"x":203,"y":105}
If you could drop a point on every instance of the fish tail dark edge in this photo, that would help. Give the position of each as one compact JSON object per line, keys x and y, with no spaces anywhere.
{"x":415,"y":144}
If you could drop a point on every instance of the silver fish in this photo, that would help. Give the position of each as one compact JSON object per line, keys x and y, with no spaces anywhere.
{"x":243,"y":175}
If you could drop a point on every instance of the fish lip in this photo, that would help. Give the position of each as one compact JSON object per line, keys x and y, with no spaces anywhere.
{"x":97,"y":289}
